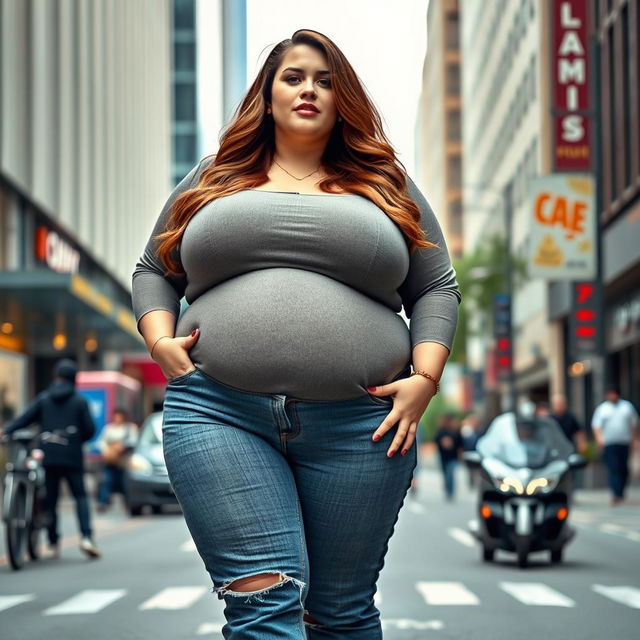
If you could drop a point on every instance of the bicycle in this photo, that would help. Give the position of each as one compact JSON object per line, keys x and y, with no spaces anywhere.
{"x":24,"y":493}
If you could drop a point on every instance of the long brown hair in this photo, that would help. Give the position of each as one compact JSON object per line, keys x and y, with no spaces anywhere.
{"x":358,"y":157}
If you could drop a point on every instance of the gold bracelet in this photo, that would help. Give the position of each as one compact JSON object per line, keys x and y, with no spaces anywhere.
{"x":155,"y":343}
{"x":424,"y":374}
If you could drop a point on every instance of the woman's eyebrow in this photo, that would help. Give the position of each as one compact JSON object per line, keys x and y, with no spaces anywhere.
{"x":296,"y":69}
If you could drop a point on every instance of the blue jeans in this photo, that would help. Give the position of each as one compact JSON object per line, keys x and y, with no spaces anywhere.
{"x":449,"y":474}
{"x":112,"y":482}
{"x":273,"y":484}
{"x":75,"y":481}
{"x":616,"y":459}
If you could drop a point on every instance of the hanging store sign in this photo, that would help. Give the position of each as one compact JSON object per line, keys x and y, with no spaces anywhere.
{"x":55,"y":252}
{"x":570,"y":80}
{"x":585,"y":321}
{"x":562,"y":224}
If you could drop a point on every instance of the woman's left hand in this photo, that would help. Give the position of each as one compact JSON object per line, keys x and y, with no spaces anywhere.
{"x":411,"y":396}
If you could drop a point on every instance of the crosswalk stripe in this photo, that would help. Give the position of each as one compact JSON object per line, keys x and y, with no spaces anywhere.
{"x":88,"y":601}
{"x":446,"y":593}
{"x":209,"y":627}
{"x":622,"y":594}
{"x":537,"y":594}
{"x":462,"y":536}
{"x":173,"y":598}
{"x":415,"y":507}
{"x":406,"y":623}
{"x":188,"y":545}
{"x":6,"y":602}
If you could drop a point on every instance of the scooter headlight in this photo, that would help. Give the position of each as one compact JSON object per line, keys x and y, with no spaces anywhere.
{"x":509,"y":484}
{"x":543,"y":485}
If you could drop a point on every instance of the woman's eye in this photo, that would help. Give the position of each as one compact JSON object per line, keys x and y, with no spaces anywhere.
{"x":325,"y":80}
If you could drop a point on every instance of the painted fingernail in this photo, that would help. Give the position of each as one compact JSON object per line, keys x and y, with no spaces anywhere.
{"x":403,"y":452}
{"x":371,"y":388}
{"x":376,"y":437}
{"x":390,"y":454}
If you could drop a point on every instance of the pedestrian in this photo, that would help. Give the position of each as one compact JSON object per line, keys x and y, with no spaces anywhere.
{"x":470,"y":432}
{"x":449,"y":442}
{"x":615,"y":427}
{"x":65,"y":421}
{"x":568,"y":422}
{"x":290,"y":387}
{"x":116,"y":441}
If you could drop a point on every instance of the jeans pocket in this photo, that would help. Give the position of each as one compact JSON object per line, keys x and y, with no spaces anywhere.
{"x":385,"y":401}
{"x":182,"y":377}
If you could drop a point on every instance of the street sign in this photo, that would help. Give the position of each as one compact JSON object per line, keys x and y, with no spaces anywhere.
{"x":502,"y":335}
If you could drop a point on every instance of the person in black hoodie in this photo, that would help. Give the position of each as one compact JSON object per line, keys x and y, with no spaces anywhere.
{"x":65,"y":421}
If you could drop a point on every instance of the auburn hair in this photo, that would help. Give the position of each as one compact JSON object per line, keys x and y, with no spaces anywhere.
{"x":358,"y":157}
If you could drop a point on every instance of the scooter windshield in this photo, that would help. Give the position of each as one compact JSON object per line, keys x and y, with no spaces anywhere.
{"x":525,"y":442}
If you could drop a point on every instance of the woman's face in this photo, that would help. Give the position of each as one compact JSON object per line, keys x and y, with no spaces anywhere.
{"x":302,"y":77}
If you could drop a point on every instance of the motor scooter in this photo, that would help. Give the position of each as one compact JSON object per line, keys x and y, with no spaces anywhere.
{"x":525,"y":488}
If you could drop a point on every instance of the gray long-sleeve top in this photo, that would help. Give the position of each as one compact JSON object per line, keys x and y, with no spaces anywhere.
{"x":299,"y":294}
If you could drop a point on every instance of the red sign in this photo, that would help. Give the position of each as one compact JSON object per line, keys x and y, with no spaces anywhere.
{"x":55,"y":252}
{"x":570,"y":78}
{"x":583,"y":326}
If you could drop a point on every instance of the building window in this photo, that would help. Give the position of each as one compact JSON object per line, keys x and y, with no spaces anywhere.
{"x":626,"y":95}
{"x":185,"y":150}
{"x":455,"y":218}
{"x":452,"y":31}
{"x":184,"y":56}
{"x":454,"y":132}
{"x":454,"y":169}
{"x":185,"y":102}
{"x":184,"y":14}
{"x":453,"y":80}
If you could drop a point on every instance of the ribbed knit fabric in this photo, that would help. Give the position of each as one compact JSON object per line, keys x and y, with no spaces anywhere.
{"x":299,"y":294}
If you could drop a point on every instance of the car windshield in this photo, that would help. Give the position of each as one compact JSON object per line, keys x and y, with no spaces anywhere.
{"x":525,"y":442}
{"x":151,"y":431}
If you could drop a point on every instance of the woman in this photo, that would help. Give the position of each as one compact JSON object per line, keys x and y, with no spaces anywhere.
{"x":116,"y":440}
{"x":295,"y":248}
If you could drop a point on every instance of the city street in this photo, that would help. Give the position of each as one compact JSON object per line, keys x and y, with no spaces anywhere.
{"x":151,"y":583}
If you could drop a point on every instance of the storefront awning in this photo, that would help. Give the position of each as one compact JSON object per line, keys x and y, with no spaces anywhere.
{"x":40,"y":296}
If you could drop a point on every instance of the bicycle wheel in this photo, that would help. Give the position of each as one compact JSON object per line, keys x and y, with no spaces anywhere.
{"x":16,"y":530}
{"x":33,"y":530}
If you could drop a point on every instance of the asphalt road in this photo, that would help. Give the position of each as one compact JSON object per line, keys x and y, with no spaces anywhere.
{"x":151,"y":583}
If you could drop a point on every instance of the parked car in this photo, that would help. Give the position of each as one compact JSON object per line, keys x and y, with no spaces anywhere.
{"x":146,"y":478}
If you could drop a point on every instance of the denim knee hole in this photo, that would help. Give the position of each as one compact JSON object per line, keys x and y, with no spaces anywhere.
{"x":258,"y":594}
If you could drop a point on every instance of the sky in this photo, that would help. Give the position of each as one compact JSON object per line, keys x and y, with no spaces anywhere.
{"x":384,"y":41}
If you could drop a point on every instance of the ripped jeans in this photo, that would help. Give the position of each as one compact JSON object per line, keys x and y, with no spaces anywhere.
{"x":270,"y":484}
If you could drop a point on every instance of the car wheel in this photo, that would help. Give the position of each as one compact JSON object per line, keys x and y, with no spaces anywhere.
{"x":135,"y":510}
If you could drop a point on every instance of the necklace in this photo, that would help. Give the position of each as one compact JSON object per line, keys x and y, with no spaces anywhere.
{"x":310,"y":174}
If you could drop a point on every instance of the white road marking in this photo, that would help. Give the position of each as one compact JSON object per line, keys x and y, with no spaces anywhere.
{"x":189,"y":545}
{"x":629,"y":596}
{"x":415,"y":507}
{"x":536,"y":593}
{"x":209,"y":627}
{"x":6,"y":602}
{"x":446,"y":593}
{"x":405,"y":623}
{"x":462,"y":536}
{"x":88,"y":601}
{"x":616,"y":529}
{"x":173,"y":598}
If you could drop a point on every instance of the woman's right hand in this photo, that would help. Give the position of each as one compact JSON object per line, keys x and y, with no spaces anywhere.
{"x":172,"y":354}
